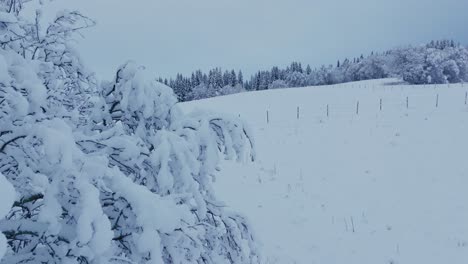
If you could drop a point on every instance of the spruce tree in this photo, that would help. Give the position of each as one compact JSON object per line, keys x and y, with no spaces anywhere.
{"x":240,"y":78}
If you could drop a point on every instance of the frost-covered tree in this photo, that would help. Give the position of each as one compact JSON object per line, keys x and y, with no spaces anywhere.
{"x":437,"y":62}
{"x":296,"y":79}
{"x":240,"y":78}
{"x":175,"y":159}
{"x":309,"y":69}
{"x":228,"y":89}
{"x":7,"y":197}
{"x":201,"y":91}
{"x":111,"y":173}
{"x":278,"y":84}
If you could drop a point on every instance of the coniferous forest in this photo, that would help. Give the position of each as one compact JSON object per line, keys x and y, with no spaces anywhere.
{"x":438,"y":62}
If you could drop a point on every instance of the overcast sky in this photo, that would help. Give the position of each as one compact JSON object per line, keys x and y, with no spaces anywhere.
{"x":170,"y":36}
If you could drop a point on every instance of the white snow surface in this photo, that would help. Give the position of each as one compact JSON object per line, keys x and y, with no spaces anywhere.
{"x":7,"y":17}
{"x":380,"y":186}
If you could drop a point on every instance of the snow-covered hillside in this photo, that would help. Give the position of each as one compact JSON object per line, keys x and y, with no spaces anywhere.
{"x":384,"y":181}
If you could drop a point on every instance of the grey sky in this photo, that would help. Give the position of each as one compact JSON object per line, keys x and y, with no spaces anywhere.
{"x":170,"y":36}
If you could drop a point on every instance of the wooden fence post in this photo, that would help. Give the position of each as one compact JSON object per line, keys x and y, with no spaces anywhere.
{"x":357,"y":108}
{"x":380,"y":104}
{"x":437,"y":101}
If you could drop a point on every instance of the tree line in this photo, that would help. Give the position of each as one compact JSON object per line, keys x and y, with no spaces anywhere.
{"x":438,"y":62}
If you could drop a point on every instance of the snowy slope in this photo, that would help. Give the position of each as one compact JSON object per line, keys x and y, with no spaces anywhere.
{"x":377,"y":186}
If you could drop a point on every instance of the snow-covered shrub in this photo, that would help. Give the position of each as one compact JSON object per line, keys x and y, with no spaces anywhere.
{"x":107,"y":174}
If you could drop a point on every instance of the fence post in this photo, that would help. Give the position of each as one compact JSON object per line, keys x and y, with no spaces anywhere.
{"x":380,"y":104}
{"x":407,"y":102}
{"x":357,"y":108}
{"x":327,"y":110}
{"x":437,"y":101}
{"x":466,"y":97}
{"x":298,"y":112}
{"x":268,"y":117}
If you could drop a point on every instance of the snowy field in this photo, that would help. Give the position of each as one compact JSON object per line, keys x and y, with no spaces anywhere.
{"x":375,"y":183}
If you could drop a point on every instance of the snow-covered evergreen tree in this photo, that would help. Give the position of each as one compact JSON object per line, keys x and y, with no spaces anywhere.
{"x":240,"y":78}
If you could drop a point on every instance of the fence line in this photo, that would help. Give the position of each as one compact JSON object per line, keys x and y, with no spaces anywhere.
{"x":344,"y":109}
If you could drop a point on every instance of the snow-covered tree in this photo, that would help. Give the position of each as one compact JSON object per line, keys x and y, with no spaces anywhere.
{"x":111,"y":173}
{"x":437,"y":62}
{"x":296,"y":79}
{"x":201,"y":91}
{"x":278,"y":84}
{"x":7,"y":197}
{"x":240,"y":78}
{"x":175,"y":159}
{"x":228,"y":89}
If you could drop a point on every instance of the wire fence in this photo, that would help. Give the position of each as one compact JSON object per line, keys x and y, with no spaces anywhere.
{"x":379,"y":105}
